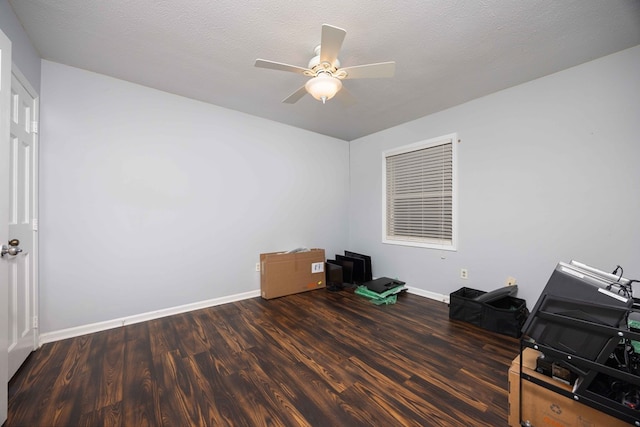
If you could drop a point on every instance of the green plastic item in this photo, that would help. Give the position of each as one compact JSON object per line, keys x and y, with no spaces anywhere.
{"x":391,"y":299}
{"x":386,"y":297}
{"x":636,"y":325}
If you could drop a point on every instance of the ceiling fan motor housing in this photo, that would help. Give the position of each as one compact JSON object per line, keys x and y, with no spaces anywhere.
{"x":316,"y":65}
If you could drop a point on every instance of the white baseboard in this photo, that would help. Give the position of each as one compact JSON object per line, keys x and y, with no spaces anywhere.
{"x":428,"y":294}
{"x":77,"y":331}
{"x":137,"y":318}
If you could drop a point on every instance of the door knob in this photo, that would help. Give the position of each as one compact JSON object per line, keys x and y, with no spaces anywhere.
{"x":11,"y":250}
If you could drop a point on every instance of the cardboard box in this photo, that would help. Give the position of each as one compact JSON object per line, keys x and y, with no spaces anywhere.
{"x":543,"y":407}
{"x":285,"y":274}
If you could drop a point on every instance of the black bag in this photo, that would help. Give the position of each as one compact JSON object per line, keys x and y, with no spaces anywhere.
{"x":505,"y":315}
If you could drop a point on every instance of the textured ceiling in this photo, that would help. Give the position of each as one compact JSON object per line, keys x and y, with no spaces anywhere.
{"x":447,"y":51}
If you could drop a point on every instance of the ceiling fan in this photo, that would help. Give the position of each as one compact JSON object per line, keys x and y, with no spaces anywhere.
{"x":325,"y":71}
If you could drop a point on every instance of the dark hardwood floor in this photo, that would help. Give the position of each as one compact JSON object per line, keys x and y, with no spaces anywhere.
{"x":312,"y":359}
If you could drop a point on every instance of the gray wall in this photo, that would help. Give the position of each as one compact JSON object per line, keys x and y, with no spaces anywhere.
{"x":149,"y":200}
{"x":548,"y":171}
{"x":24,"y":55}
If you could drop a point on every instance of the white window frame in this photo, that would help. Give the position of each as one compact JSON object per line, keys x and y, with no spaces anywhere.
{"x":417,"y":241}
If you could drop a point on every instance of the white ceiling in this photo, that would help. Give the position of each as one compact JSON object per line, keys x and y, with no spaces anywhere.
{"x":447,"y":51}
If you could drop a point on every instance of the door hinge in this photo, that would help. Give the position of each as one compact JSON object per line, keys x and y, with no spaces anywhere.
{"x":35,"y":322}
{"x":34,"y":126}
{"x":34,"y":224}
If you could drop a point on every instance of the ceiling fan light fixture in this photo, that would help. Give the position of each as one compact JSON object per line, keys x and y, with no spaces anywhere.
{"x":323,"y":87}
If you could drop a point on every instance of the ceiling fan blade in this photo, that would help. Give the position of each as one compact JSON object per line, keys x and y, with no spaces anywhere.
{"x":295,"y":96}
{"x":345,"y":97}
{"x":331,"y":42}
{"x":272,"y":65}
{"x":370,"y":71}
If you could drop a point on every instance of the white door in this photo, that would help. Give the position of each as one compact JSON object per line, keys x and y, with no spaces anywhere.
{"x":23,"y":178}
{"x":5,"y":96}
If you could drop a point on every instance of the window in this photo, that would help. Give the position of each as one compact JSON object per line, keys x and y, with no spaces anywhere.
{"x":419,"y":203}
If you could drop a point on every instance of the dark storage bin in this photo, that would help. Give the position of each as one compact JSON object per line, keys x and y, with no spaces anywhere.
{"x":463,"y":307}
{"x":505,"y":316}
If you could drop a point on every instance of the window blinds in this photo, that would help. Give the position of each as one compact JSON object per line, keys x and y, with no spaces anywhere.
{"x":419,"y":188}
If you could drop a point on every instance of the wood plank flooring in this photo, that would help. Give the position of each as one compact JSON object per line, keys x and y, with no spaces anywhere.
{"x":314,"y":359}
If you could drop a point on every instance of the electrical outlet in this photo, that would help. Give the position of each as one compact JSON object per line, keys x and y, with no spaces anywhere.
{"x":257,"y":266}
{"x":511,"y":281}
{"x":464,"y":274}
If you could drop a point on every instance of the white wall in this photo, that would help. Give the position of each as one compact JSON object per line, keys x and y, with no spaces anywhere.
{"x":150,"y":200}
{"x":548,"y":171}
{"x":24,"y":55}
